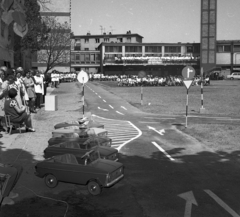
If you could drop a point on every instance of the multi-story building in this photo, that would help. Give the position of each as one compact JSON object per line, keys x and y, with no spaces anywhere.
{"x":228,"y":54}
{"x":85,"y":53}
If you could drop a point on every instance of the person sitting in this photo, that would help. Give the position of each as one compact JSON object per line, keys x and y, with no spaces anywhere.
{"x":17,"y":114}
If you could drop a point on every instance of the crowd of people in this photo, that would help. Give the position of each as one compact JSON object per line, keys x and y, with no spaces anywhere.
{"x":149,"y":80}
{"x":22,"y":93}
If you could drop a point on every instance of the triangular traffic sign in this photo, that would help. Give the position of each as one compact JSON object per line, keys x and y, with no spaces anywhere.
{"x":187,"y":83}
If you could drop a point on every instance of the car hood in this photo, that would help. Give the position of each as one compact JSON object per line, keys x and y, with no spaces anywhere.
{"x":105,"y":151}
{"x":107,"y":166}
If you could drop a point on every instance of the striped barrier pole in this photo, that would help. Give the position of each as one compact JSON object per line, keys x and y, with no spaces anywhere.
{"x":202,"y":109}
{"x":83,"y":97}
{"x":186,"y":109}
{"x":141,"y":95}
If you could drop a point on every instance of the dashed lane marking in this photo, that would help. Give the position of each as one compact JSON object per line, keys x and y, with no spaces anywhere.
{"x":104,"y":100}
{"x":111,"y":106}
{"x":119,"y":113}
{"x":121,"y":132}
{"x":99,"y":96}
{"x":123,"y":107}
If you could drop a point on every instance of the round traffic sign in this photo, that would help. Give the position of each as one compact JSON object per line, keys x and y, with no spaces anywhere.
{"x":82,"y":77}
{"x":141,"y":74}
{"x":188,"y":72}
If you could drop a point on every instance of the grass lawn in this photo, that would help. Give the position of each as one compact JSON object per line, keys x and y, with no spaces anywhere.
{"x":221,"y":98}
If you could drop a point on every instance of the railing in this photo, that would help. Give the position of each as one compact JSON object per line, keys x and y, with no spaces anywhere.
{"x":152,"y":61}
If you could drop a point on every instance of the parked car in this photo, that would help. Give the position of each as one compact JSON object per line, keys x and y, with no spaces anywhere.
{"x":72,"y":132}
{"x":79,"y":124}
{"x":102,"y":141}
{"x":80,"y":149}
{"x":234,"y":75}
{"x":88,"y":170}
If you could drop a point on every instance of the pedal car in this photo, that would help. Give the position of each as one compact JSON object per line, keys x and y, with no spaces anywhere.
{"x":62,"y":132}
{"x":102,"y":141}
{"x":88,"y":170}
{"x":79,"y":124}
{"x":80,"y":149}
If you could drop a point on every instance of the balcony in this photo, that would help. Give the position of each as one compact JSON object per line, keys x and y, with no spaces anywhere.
{"x":182,"y":60}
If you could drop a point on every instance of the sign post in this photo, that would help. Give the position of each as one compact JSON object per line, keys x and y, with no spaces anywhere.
{"x":82,"y":78}
{"x":141,"y":75}
{"x":202,"y":109}
{"x":188,"y":73}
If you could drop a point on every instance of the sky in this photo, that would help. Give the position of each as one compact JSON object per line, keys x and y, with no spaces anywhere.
{"x":166,"y":21}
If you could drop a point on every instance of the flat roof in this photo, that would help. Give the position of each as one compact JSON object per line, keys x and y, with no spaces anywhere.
{"x":107,"y":35}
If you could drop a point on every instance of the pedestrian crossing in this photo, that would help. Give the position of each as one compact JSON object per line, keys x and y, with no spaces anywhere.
{"x":121,"y":132}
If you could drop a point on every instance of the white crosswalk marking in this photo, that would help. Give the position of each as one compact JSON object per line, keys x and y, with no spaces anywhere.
{"x":121,"y":132}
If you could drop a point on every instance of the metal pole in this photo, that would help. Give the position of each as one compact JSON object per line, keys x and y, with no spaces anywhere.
{"x":141,"y":95}
{"x":187,"y":108}
{"x":83,"y":97}
{"x":202,"y":94}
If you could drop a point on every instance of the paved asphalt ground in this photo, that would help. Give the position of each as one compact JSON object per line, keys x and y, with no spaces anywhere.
{"x":167,"y":173}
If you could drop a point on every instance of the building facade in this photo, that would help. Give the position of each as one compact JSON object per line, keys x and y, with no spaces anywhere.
{"x":85,"y":50}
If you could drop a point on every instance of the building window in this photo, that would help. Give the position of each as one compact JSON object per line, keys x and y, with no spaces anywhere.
{"x":119,"y":40}
{"x":86,"y":40}
{"x":153,"y":49}
{"x":96,"y":48}
{"x":72,"y":58}
{"x":223,"y":48}
{"x":133,"y":49}
{"x":86,"y":48}
{"x":97,"y":40}
{"x":87,"y":58}
{"x":189,"y":49}
{"x":236,"y":48}
{"x":82,"y":58}
{"x":113,"y":49}
{"x":172,"y":49}
{"x":106,"y":39}
{"x":129,"y":39}
{"x":92,"y":57}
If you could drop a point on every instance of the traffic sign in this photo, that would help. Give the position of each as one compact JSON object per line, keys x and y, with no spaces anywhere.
{"x":82,"y":77}
{"x":187,"y":83}
{"x":141,"y":74}
{"x":188,"y":72}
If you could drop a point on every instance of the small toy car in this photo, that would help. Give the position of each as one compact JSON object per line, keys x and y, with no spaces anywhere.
{"x":88,"y":170}
{"x":79,"y":124}
{"x":80,"y":149}
{"x":102,"y":141}
{"x":62,"y":132}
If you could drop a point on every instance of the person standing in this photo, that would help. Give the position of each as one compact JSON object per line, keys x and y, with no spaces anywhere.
{"x":29,"y":84}
{"x":38,"y":87}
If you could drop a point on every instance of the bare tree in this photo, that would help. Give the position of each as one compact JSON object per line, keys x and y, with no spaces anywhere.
{"x":56,"y":49}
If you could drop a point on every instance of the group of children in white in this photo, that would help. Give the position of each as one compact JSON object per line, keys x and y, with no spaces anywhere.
{"x":149,"y":80}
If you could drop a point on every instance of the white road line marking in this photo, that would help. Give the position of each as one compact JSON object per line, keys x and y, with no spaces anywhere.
{"x":158,"y":118}
{"x":222,"y":203}
{"x":123,"y":107}
{"x":149,"y":122}
{"x":99,"y":96}
{"x":111,"y":106}
{"x":162,"y":150}
{"x":133,"y":132}
{"x":103,"y":109}
{"x":104,"y":100}
{"x":119,"y":113}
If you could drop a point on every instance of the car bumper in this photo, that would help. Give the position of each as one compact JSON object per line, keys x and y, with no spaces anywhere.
{"x":114,"y":181}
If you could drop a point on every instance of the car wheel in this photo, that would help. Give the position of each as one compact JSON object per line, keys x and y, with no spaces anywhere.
{"x":51,"y":181}
{"x":231,"y":78}
{"x":94,"y":188}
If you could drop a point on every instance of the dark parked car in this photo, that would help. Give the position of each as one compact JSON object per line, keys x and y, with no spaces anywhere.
{"x":79,"y":124}
{"x":80,"y":149}
{"x":102,"y":141}
{"x":88,"y":170}
{"x":62,"y":132}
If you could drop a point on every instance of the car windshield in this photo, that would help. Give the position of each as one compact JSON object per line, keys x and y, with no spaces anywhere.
{"x":93,"y":156}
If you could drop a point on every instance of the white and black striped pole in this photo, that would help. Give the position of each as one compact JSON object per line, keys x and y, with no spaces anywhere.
{"x":141,"y":93}
{"x":202,"y":109}
{"x":83,"y":96}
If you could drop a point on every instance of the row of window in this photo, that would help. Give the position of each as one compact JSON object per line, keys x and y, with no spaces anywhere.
{"x":227,"y":48}
{"x":106,"y":39}
{"x":85,"y":58}
{"x":149,"y":49}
